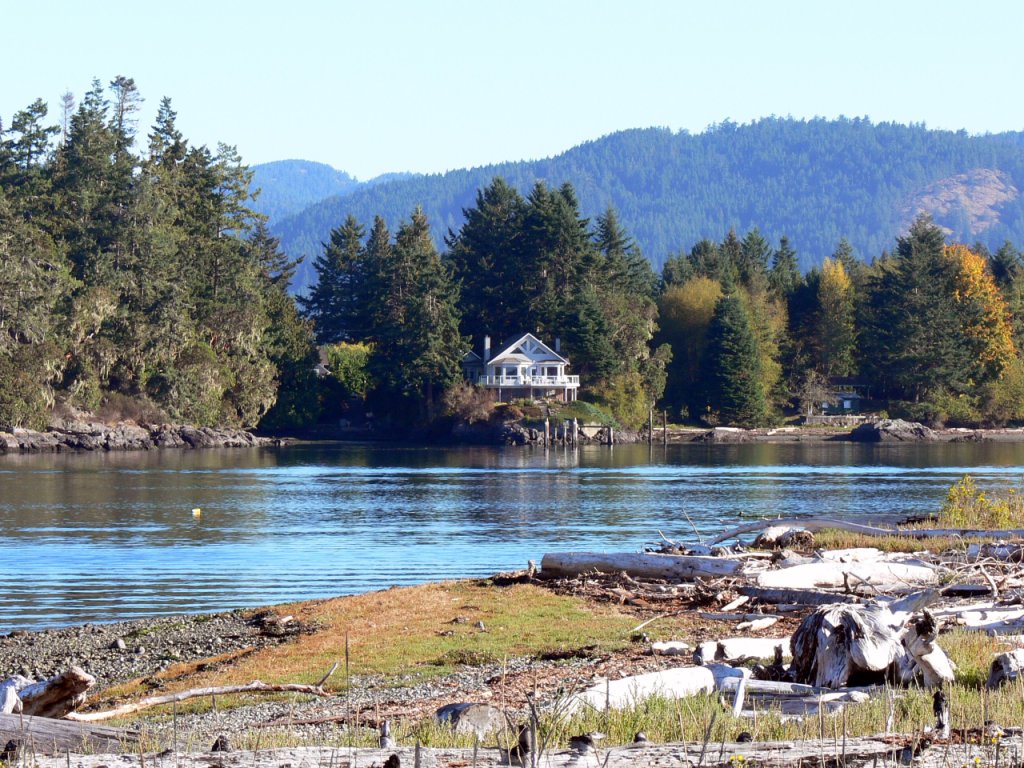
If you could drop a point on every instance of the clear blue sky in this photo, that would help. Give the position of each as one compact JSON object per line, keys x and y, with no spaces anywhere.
{"x":377,"y":86}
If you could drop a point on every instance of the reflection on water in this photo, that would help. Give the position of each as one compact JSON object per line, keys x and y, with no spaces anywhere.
{"x":99,"y":537}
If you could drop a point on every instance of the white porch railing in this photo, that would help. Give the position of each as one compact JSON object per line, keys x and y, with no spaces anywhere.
{"x":568,"y":382}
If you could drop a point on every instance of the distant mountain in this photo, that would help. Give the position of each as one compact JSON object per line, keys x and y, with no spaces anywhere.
{"x":288,"y":186}
{"x":814,"y":181}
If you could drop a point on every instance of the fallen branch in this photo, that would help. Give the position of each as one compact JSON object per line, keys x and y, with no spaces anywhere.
{"x":171,"y":698}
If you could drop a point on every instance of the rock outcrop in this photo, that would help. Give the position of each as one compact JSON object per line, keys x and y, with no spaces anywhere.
{"x":72,"y":435}
{"x":892,"y":431}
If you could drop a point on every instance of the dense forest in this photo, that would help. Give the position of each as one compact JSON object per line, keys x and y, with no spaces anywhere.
{"x":814,"y":181}
{"x":137,"y":279}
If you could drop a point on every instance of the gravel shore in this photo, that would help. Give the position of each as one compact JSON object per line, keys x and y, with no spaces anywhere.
{"x":124,"y":651}
{"x":115,"y":653}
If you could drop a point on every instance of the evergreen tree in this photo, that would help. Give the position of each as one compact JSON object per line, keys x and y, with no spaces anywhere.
{"x":417,"y":351}
{"x":914,"y":328}
{"x":784,"y":275}
{"x":753,"y":262}
{"x":487,"y":257}
{"x":335,"y":303}
{"x":732,"y":366}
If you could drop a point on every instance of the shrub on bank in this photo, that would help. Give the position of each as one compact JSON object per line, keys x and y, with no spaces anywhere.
{"x":967,"y":506}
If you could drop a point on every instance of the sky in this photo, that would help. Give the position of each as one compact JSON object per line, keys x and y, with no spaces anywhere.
{"x":379,"y":86}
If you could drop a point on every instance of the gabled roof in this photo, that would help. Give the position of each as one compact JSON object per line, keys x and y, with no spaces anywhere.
{"x":528,"y":348}
{"x":472,"y":357}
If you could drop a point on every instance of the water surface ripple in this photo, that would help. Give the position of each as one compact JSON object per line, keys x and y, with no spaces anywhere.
{"x":102,"y":537}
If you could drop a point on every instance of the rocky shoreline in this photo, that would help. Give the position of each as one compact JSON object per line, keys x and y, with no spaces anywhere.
{"x":70,"y":435}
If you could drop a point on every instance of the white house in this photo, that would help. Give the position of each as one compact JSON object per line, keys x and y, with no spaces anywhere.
{"x":526,"y":368}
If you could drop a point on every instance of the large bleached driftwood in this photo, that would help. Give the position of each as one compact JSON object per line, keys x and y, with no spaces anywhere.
{"x":919,"y":638}
{"x":155,"y":701}
{"x":870,"y":642}
{"x":674,"y":683}
{"x":45,"y":736}
{"x":881,"y":574}
{"x":54,"y":697}
{"x":836,"y":642}
{"x":640,"y":564}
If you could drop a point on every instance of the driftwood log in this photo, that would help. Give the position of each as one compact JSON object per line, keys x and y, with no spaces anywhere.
{"x":54,"y":697}
{"x":919,"y":638}
{"x":869,"y":643}
{"x":47,"y":736}
{"x":806,"y":753}
{"x":881,"y":574}
{"x":822,"y":523}
{"x":155,"y":701}
{"x":638,"y":564}
{"x":1006,"y":667}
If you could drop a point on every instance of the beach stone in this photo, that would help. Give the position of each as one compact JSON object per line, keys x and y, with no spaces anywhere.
{"x":468,"y":717}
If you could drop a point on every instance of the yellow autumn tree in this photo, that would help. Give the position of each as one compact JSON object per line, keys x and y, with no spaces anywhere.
{"x":836,"y":336}
{"x":769,"y":319}
{"x":987,"y":326}
{"x":684,"y":314}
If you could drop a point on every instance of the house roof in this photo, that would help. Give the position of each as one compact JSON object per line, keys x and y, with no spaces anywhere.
{"x":528,"y":348}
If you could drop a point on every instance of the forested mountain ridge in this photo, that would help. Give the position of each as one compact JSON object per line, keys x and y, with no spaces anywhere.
{"x":814,"y":181}
{"x":286,"y":187}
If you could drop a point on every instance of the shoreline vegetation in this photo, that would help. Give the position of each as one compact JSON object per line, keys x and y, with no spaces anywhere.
{"x":527,"y":644}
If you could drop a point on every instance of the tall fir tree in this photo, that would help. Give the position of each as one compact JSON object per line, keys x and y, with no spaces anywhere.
{"x":732,"y":366}
{"x":336,"y":303}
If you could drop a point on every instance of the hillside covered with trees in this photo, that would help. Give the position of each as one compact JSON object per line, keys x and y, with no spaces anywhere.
{"x":133,"y":272}
{"x":136,"y":275}
{"x":812,"y":181}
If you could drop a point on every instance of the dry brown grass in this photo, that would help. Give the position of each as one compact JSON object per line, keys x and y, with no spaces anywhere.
{"x":412,"y":633}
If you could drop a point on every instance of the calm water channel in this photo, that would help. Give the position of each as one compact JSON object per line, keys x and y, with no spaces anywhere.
{"x":101,"y":537}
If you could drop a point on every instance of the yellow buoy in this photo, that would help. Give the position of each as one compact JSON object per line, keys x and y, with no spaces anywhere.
{"x":197,"y":512}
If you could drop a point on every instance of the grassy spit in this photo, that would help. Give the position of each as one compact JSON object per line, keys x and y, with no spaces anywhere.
{"x":411,"y":634}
